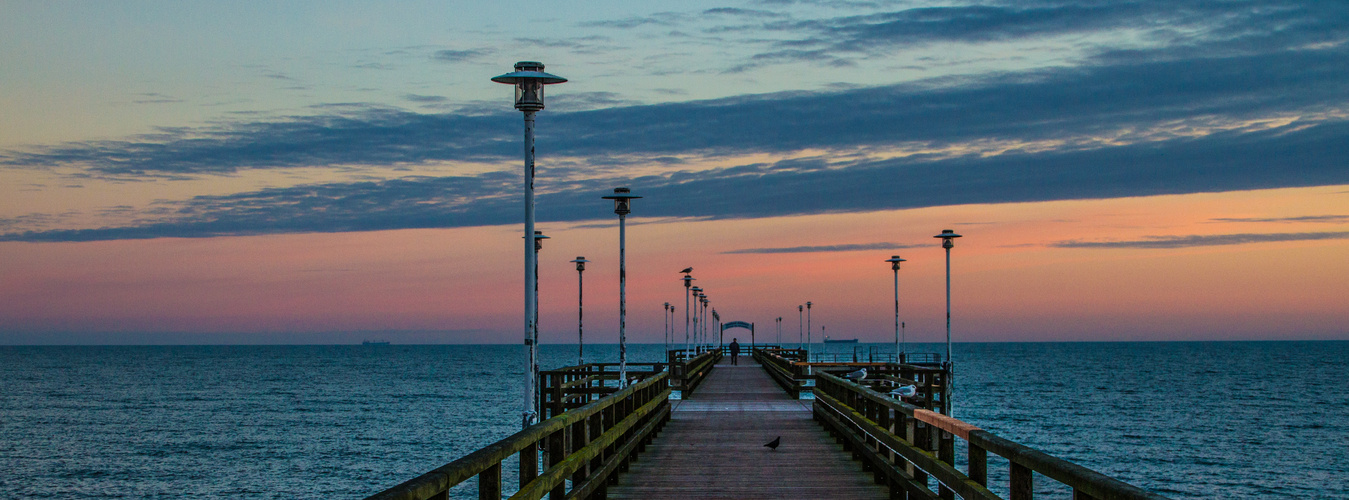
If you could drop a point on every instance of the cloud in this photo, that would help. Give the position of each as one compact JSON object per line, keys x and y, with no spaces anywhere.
{"x":823,"y":248}
{"x":1123,"y":102}
{"x":1331,"y":219}
{"x":1206,"y":240}
{"x":1219,"y":162}
{"x":425,"y":98}
{"x":455,"y":56}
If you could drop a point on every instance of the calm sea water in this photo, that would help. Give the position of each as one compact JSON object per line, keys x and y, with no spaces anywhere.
{"x":1186,"y":419}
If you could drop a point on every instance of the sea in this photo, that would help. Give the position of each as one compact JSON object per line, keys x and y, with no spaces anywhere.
{"x":1184,"y":419}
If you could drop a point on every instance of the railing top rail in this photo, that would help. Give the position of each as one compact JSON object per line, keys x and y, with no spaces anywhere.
{"x":1076,"y":476}
{"x":474,"y":463}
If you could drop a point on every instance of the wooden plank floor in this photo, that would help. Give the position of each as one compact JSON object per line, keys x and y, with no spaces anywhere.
{"x":713,"y":447}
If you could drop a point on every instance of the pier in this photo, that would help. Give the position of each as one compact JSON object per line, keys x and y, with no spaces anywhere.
{"x":854,"y":439}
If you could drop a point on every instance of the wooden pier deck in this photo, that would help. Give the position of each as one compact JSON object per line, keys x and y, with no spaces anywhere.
{"x":712,"y":447}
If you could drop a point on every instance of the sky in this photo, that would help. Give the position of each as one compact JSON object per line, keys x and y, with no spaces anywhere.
{"x":326,"y":172}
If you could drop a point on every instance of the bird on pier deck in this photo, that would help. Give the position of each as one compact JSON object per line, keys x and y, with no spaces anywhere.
{"x":857,"y":375}
{"x":773,"y":445}
{"x":687,"y":270}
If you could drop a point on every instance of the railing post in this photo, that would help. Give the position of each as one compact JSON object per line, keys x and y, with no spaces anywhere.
{"x":557,"y":453}
{"x":1022,"y":482}
{"x":489,"y":484}
{"x":529,"y":463}
{"x":978,"y":462}
{"x":946,"y":452}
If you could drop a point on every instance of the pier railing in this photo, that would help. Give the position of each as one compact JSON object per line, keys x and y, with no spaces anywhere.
{"x":686,"y":374}
{"x":576,"y":386}
{"x":788,"y":368}
{"x":585,"y":446}
{"x":903,"y":445}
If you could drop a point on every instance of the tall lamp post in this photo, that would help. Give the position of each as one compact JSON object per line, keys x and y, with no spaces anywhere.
{"x":697,"y":292}
{"x":622,"y":206}
{"x":947,"y":236}
{"x":809,"y":345}
{"x":580,"y":294}
{"x":894,"y":261}
{"x":706,"y":341}
{"x":529,"y":79}
{"x":688,"y":281}
{"x":779,"y":322}
{"x":800,"y":325}
{"x":665,"y":315}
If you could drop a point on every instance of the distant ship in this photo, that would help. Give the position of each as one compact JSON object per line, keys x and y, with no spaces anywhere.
{"x":385,"y":342}
{"x":828,"y":340}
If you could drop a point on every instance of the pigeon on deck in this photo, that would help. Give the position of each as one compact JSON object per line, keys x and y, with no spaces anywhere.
{"x":857,"y":375}
{"x":904,"y":391}
{"x":773,"y":445}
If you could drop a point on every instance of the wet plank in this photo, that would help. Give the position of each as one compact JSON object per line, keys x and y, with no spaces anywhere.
{"x":713,"y":447}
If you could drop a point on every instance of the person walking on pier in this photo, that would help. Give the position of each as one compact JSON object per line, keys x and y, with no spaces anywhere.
{"x":735,"y":351}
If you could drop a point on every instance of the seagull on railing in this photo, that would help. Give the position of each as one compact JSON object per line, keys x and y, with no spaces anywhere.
{"x":904,"y":391}
{"x":857,"y":375}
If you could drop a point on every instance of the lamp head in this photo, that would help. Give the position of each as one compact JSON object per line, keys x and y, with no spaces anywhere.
{"x":807,"y":305}
{"x":946,"y":236}
{"x":894,"y":261}
{"x":538,"y":240}
{"x":528,"y":79}
{"x":688,"y":280}
{"x":580,"y":263}
{"x":622,"y":200}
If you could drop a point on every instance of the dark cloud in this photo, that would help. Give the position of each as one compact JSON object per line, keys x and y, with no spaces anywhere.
{"x":448,"y":55}
{"x":1122,"y":100}
{"x":1331,"y":219}
{"x":1308,"y":156}
{"x":1205,"y":240}
{"x":425,"y":98}
{"x":823,"y":248}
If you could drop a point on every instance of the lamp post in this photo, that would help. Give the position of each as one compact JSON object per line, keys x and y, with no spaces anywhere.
{"x":809,"y":344}
{"x":665,"y":315}
{"x":580,"y":330}
{"x":529,"y":79}
{"x":706,"y":342}
{"x":688,"y":281}
{"x":947,"y":236}
{"x":697,"y":292}
{"x":894,"y":261}
{"x":622,"y":206}
{"x":779,"y":322}
{"x":800,"y":325}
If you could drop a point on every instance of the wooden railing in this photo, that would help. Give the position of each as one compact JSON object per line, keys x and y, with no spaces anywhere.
{"x":576,"y":386}
{"x":586,"y":445}
{"x":902,"y":445}
{"x":787,"y":368}
{"x":687,"y":374}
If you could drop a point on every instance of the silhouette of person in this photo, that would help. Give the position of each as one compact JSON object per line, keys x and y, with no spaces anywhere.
{"x":735,"y":351}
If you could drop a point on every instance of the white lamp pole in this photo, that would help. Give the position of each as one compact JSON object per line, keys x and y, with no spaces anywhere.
{"x":580,"y":330}
{"x":529,"y":79}
{"x":894,"y":261}
{"x":947,"y":236}
{"x":688,"y":281}
{"x":622,"y":206}
{"x":809,"y":344}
